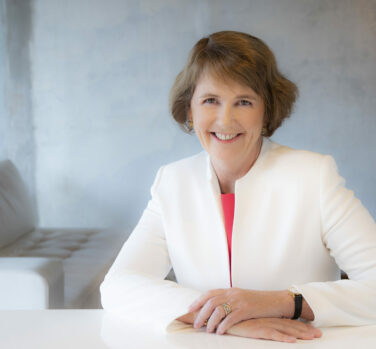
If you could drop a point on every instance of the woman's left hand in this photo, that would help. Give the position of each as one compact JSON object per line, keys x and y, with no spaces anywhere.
{"x":245,"y":304}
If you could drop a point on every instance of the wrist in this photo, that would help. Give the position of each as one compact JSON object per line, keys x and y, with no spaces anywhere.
{"x":288,"y":305}
{"x":288,"y":310}
{"x":298,"y":301}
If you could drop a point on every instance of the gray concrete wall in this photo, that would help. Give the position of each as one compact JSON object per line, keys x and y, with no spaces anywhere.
{"x":16,"y":121}
{"x":2,"y":80}
{"x":102,"y":70}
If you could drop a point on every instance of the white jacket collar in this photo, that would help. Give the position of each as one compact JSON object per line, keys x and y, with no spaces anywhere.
{"x":212,"y":177}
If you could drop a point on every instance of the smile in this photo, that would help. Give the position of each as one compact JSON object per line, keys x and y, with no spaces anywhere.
{"x":225,"y":137}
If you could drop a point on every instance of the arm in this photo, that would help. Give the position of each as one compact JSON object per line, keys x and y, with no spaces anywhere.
{"x":134,"y":286}
{"x":349,"y":233}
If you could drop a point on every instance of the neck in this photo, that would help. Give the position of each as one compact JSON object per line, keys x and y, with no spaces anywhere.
{"x":227,"y":174}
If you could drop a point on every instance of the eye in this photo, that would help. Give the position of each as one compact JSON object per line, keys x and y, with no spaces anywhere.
{"x":245,"y":102}
{"x":210,"y":100}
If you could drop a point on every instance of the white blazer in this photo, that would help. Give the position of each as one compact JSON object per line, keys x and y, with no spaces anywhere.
{"x":295,"y":224}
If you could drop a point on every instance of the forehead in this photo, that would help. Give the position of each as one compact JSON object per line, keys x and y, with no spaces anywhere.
{"x":209,"y":82}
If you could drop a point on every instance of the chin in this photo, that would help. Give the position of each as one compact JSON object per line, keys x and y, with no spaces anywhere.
{"x":225,"y":160}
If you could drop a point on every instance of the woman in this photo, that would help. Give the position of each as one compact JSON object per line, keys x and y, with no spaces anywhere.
{"x":256,"y":232}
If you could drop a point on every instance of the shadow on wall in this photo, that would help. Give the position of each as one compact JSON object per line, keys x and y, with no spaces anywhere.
{"x":18,"y":143}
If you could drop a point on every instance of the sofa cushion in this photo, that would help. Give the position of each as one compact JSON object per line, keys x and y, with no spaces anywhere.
{"x":87,"y":254}
{"x":17,"y":216}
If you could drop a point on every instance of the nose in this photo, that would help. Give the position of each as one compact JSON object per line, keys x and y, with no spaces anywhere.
{"x":225,"y":115}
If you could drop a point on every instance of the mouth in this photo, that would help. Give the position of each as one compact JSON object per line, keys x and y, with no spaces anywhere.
{"x":225,"y":137}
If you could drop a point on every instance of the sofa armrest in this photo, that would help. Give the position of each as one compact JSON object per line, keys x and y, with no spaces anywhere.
{"x":31,"y":283}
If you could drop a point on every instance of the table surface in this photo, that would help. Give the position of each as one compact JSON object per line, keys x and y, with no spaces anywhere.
{"x":94,"y":329}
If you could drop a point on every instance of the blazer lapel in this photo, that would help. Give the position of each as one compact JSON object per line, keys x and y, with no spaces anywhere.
{"x":218,"y":233}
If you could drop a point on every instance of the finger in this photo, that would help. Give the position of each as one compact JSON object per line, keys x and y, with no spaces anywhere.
{"x":295,"y":328}
{"x":291,"y":323}
{"x":317,"y":332}
{"x":206,"y":311}
{"x":307,"y":327}
{"x":273,"y":334}
{"x":200,"y":301}
{"x":296,"y":332}
{"x":229,"y":321}
{"x":215,"y":319}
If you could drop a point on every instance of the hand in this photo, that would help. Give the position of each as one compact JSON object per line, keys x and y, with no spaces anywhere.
{"x":188,"y":318}
{"x":245,"y":304}
{"x":281,"y":330}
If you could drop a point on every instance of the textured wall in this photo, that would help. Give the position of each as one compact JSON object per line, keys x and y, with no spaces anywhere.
{"x":102,"y":70}
{"x":16,"y":122}
{"x":2,"y":81}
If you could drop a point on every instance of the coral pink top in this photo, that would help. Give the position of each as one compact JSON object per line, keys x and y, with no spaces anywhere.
{"x":228,"y":205}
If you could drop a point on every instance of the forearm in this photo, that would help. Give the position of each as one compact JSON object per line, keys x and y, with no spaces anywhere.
{"x":307,"y":312}
{"x":342,"y":302}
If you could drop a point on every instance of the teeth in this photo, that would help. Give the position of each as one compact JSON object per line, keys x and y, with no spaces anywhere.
{"x":225,"y":137}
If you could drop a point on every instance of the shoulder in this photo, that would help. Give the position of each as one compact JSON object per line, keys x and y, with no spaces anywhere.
{"x":180,"y":172}
{"x":296,"y":165}
{"x":287,"y":153}
{"x":283,"y":156}
{"x":190,"y":163}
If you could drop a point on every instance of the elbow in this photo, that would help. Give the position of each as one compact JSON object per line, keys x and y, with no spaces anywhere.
{"x":105,"y":293}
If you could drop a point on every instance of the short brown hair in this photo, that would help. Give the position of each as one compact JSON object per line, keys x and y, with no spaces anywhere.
{"x":244,"y":59}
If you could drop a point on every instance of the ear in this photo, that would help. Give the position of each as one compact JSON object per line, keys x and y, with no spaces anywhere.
{"x":189,"y":114}
{"x":265,"y":121}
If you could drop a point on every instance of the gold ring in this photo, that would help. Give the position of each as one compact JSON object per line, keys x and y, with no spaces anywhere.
{"x":227,"y":308}
{"x":205,"y":322}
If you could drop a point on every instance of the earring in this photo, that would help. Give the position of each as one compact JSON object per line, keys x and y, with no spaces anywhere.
{"x":264,"y":131}
{"x":190,"y":124}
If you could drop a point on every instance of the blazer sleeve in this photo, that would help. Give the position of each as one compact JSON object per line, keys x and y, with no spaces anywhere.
{"x":349,"y":234}
{"x":134,"y":287}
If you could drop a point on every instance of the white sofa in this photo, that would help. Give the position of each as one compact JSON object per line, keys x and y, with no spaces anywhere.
{"x":48,"y":268}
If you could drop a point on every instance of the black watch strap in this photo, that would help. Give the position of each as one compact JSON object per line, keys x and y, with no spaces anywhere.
{"x":298,"y":299}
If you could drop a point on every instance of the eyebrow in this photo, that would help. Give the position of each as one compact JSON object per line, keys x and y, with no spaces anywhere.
{"x":240,"y":96}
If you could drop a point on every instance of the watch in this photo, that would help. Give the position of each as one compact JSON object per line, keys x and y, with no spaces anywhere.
{"x":298,"y":300}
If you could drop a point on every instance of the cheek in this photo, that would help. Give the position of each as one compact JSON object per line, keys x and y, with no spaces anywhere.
{"x":253,"y":126}
{"x":202,"y":121}
{"x":201,"y":131}
{"x":256,"y":122}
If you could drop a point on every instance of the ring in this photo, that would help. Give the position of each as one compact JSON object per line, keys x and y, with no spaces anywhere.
{"x":227,"y":308}
{"x":205,"y":322}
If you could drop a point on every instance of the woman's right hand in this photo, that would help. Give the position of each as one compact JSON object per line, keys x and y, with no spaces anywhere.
{"x":276,"y":329}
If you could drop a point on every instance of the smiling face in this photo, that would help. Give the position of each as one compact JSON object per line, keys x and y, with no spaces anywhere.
{"x":227,"y":119}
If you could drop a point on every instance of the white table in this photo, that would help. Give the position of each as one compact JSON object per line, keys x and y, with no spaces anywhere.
{"x":55,"y":329}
